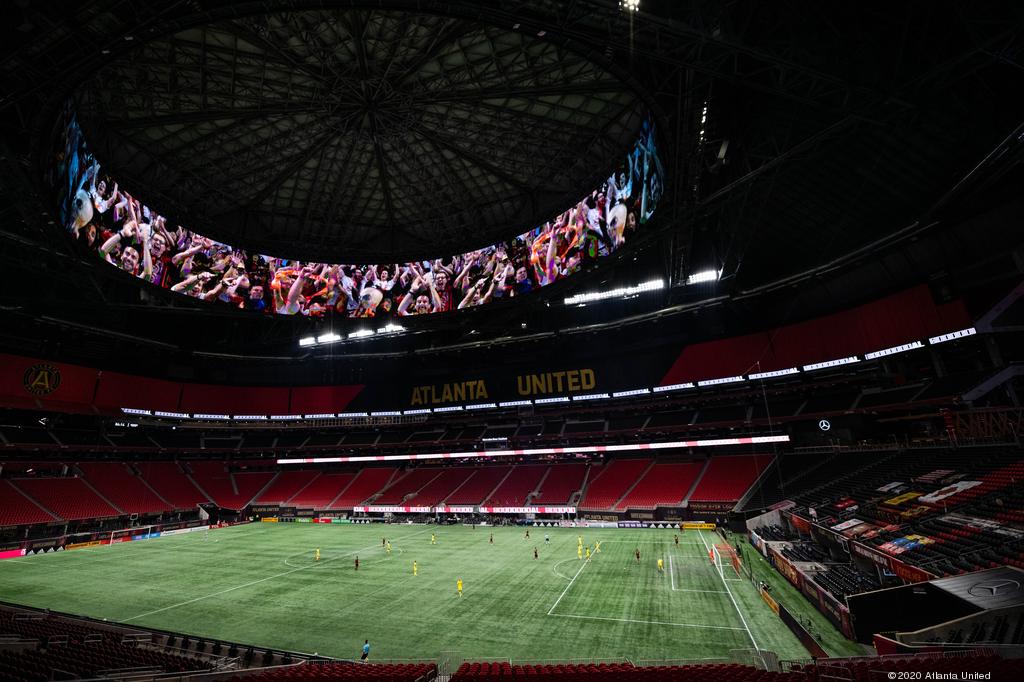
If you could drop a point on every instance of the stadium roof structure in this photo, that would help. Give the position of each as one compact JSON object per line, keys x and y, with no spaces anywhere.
{"x":801,"y":144}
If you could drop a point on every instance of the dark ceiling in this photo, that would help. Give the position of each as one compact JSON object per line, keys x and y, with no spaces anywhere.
{"x":834,"y":149}
{"x":352,"y":134}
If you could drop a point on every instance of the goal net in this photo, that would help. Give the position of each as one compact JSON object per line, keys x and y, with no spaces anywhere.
{"x":723,"y":555}
{"x":126,"y":534}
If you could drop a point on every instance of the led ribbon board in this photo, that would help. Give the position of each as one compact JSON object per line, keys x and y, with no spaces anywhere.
{"x":583,"y":449}
{"x":106,"y":220}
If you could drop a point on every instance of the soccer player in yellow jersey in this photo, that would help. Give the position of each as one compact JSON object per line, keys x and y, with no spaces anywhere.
{"x":316,"y":555}
{"x":433,"y":538}
{"x":579,"y":540}
{"x":579,"y":551}
{"x":661,"y":565}
{"x":388,"y":546}
{"x":458,"y":586}
{"x":415,"y":568}
{"x":588,"y":552}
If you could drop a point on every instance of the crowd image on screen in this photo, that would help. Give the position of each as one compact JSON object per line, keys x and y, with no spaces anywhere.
{"x":113,"y":224}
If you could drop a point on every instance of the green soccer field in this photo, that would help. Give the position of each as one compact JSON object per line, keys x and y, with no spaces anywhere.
{"x":258,"y":584}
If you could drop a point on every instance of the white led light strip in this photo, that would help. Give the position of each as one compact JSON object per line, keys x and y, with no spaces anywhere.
{"x":748,"y":440}
{"x":970,"y":331}
{"x":894,"y":350}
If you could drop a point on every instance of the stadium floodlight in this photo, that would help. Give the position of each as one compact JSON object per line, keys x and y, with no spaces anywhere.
{"x":581,"y":449}
{"x":772,"y":375}
{"x":902,"y":348}
{"x":704,"y":276}
{"x":515,"y":403}
{"x":629,"y":5}
{"x":347,"y":415}
{"x":361,"y":333}
{"x":134,"y":410}
{"x":328,"y":338}
{"x":672,"y":387}
{"x":199,"y":415}
{"x":832,"y":363}
{"x":722,"y":380}
{"x":970,"y":331}
{"x":591,"y":396}
{"x":545,"y":401}
{"x":621,"y":292}
{"x":482,"y":406}
{"x":391,"y":329}
{"x":173,"y":415}
{"x":322,"y":415}
{"x":285,"y":417}
{"x":249,"y":417}
{"x":449,"y":408}
{"x":307,"y":341}
{"x":386,"y":413}
{"x":494,"y":439}
{"x":635,"y":391}
{"x":425,"y":410}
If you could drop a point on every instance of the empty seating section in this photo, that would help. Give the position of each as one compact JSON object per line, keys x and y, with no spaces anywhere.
{"x":285,"y":486}
{"x":479,"y":486}
{"x":249,"y":484}
{"x":366,"y":483}
{"x":561,"y":482}
{"x":123,"y":488}
{"x":663,"y":484}
{"x":16,"y":509}
{"x":407,"y":484}
{"x":441,"y":487}
{"x":615,"y":478}
{"x":612,"y":672}
{"x":68,"y":498}
{"x":865,"y":669}
{"x":727,"y":478}
{"x":354,"y":672}
{"x":170,"y":483}
{"x":231,"y":491}
{"x":521,"y":482}
{"x":321,"y":491}
{"x":86,"y":651}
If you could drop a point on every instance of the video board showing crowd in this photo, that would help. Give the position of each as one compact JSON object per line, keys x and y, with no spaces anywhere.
{"x":114,"y":225}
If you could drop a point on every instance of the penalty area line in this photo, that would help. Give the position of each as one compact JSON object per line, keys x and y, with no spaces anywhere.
{"x":567,"y":587}
{"x":646,"y":622}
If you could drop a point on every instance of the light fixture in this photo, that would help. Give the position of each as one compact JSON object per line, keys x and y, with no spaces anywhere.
{"x":704,"y":276}
{"x":621,"y":292}
{"x":672,"y":387}
{"x":330,"y":337}
{"x":831,"y":363}
{"x":629,"y":5}
{"x":970,"y":331}
{"x":902,"y":348}
{"x":722,"y":380}
{"x":307,"y":341}
{"x":776,"y":373}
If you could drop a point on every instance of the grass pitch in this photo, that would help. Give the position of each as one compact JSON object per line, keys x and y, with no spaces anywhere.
{"x":258,"y":584}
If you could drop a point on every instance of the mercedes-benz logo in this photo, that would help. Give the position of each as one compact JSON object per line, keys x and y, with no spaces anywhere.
{"x":824,"y":425}
{"x":991,"y":588}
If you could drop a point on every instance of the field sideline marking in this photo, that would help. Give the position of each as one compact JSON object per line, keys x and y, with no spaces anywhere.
{"x":255,"y":582}
{"x":567,"y":587}
{"x":738,"y":612}
{"x":646,"y":622}
{"x":671,"y":573}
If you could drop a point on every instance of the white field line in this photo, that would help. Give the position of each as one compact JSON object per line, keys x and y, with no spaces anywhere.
{"x":567,"y":587}
{"x":726,"y":584}
{"x":646,"y":622}
{"x":672,"y":572}
{"x":257,"y":582}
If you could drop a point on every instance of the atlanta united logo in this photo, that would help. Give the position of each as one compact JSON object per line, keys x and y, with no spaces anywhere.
{"x":41,"y":379}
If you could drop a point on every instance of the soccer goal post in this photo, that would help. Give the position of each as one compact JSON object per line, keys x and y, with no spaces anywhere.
{"x":723,"y":555}
{"x":125,"y":534}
